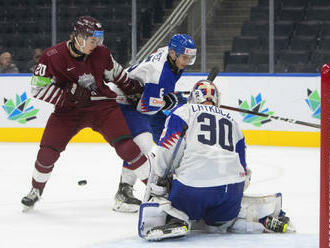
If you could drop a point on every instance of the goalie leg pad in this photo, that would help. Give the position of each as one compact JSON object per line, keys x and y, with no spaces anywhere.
{"x":254,"y":208}
{"x":153,"y":216}
{"x":150,"y":216}
{"x":264,"y":209}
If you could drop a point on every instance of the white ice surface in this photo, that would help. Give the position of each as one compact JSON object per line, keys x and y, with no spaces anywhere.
{"x":81,"y":216}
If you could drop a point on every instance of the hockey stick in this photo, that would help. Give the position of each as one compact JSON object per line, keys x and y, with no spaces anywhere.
{"x":171,"y":166}
{"x":213,"y":74}
{"x":272,"y":116}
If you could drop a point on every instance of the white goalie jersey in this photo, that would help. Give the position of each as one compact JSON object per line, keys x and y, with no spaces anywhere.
{"x":212,"y":152}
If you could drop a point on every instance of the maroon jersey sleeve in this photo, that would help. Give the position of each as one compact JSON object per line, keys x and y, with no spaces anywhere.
{"x":115,"y":73}
{"x":43,"y":83}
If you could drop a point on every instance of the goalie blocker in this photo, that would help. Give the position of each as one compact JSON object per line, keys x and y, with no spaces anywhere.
{"x":159,"y":220}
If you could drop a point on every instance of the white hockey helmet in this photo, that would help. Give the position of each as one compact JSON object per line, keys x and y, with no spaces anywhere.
{"x":204,"y":90}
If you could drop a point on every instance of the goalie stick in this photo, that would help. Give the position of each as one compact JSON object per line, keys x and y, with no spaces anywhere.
{"x":213,"y":74}
{"x":171,"y":166}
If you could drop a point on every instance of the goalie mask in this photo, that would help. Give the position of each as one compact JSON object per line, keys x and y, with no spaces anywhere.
{"x":204,"y":90}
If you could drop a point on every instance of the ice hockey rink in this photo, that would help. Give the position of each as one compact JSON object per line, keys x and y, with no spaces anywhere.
{"x":70,"y":215}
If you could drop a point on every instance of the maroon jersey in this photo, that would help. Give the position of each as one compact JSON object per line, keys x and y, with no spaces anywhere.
{"x":58,"y":70}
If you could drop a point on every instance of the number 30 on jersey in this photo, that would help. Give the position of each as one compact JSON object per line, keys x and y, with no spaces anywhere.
{"x":223,"y":129}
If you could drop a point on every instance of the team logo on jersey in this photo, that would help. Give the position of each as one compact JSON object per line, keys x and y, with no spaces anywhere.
{"x":87,"y":81}
{"x":314,"y":103}
{"x":256,"y":105}
{"x":20,"y":111}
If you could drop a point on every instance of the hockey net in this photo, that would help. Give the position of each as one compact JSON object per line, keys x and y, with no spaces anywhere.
{"x":325,"y":158}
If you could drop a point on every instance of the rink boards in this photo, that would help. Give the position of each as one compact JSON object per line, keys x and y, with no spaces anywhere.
{"x":293,"y":96}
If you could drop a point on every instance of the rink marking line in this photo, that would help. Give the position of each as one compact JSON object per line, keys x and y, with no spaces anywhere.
{"x":253,"y":137}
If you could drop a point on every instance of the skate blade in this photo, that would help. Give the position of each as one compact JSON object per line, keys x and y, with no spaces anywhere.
{"x":27,"y":208}
{"x":122,"y":207}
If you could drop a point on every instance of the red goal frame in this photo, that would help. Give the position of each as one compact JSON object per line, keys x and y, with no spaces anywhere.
{"x":325,"y":160}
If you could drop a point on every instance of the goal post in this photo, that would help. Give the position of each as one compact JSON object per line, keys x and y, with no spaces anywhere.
{"x":325,"y":160}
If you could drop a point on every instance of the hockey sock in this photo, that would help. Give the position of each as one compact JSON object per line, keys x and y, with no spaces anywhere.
{"x":44,"y":166}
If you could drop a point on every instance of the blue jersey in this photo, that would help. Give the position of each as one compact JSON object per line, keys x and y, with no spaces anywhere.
{"x":158,"y":79}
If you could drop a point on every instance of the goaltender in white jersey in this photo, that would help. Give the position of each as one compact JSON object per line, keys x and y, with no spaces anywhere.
{"x":204,"y":149}
{"x":214,"y":134}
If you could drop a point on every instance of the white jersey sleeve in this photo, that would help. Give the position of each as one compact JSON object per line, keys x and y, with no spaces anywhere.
{"x":213,"y":149}
{"x":158,"y":80}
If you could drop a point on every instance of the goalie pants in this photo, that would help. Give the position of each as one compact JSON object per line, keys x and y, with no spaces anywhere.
{"x":103,"y":117}
{"x":212,"y":204}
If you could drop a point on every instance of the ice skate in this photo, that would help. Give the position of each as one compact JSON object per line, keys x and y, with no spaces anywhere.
{"x":125,"y":201}
{"x":275,"y":224}
{"x":170,"y":230}
{"x":31,"y":198}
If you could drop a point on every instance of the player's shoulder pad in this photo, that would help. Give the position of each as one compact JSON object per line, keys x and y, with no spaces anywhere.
{"x":56,"y":50}
{"x":182,"y":110}
{"x":102,"y":50}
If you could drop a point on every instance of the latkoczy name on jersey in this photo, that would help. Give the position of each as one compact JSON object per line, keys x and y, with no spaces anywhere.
{"x":209,"y":108}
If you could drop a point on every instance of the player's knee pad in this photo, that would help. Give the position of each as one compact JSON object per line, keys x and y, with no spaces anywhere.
{"x":136,"y":160}
{"x":127,"y":149}
{"x":47,"y":156}
{"x":44,"y":165}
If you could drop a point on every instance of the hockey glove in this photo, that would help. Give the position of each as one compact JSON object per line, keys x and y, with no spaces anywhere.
{"x":133,"y":99}
{"x":131,"y":87}
{"x":173,"y":99}
{"x":77,"y":95}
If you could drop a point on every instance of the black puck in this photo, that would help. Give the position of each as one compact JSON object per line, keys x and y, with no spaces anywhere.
{"x":82,"y":182}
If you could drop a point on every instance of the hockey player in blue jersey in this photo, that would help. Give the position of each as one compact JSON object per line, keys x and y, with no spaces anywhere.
{"x":159,"y":73}
{"x":209,"y":167}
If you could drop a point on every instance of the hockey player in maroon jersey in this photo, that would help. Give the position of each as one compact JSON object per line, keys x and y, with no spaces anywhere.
{"x":73,"y":75}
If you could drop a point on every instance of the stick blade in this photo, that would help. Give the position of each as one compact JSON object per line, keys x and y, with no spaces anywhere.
{"x":213,"y":73}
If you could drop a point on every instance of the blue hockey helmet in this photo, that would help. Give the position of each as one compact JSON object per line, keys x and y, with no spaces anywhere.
{"x":204,"y":90}
{"x":183,"y":44}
